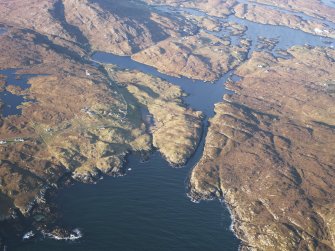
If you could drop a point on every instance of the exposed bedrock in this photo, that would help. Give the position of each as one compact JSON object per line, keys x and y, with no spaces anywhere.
{"x":270,"y":152}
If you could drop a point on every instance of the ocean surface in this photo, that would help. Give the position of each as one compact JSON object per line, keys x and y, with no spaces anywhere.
{"x":145,"y":210}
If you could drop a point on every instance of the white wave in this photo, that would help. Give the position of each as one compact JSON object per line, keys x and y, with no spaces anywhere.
{"x":192,"y":199}
{"x":75,"y":235}
{"x":28,"y":235}
{"x":232,"y":217}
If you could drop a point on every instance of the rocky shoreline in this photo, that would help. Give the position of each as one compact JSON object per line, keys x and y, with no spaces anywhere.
{"x":266,"y":151}
{"x":42,"y":218}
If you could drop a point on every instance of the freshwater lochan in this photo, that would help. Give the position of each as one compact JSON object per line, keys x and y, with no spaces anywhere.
{"x":11,"y":102}
{"x":148,"y":208}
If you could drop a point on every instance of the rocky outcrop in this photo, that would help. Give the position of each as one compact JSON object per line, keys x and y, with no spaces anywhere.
{"x":80,"y":123}
{"x":270,"y":152}
{"x":202,"y":56}
{"x":175,"y":129}
{"x":269,"y":15}
{"x":314,"y":8}
{"x":270,"y":147}
{"x":33,"y":14}
{"x":121,"y":27}
{"x":77,"y":122}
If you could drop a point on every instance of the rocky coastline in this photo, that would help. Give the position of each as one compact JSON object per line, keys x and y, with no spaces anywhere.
{"x":264,"y":153}
{"x":269,"y":148}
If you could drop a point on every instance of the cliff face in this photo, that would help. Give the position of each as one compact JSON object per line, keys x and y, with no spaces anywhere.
{"x":270,"y":152}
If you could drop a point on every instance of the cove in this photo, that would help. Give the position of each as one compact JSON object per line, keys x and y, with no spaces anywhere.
{"x":147,"y":209}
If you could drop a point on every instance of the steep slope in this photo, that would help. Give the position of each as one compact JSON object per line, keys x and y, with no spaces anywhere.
{"x":121,"y":27}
